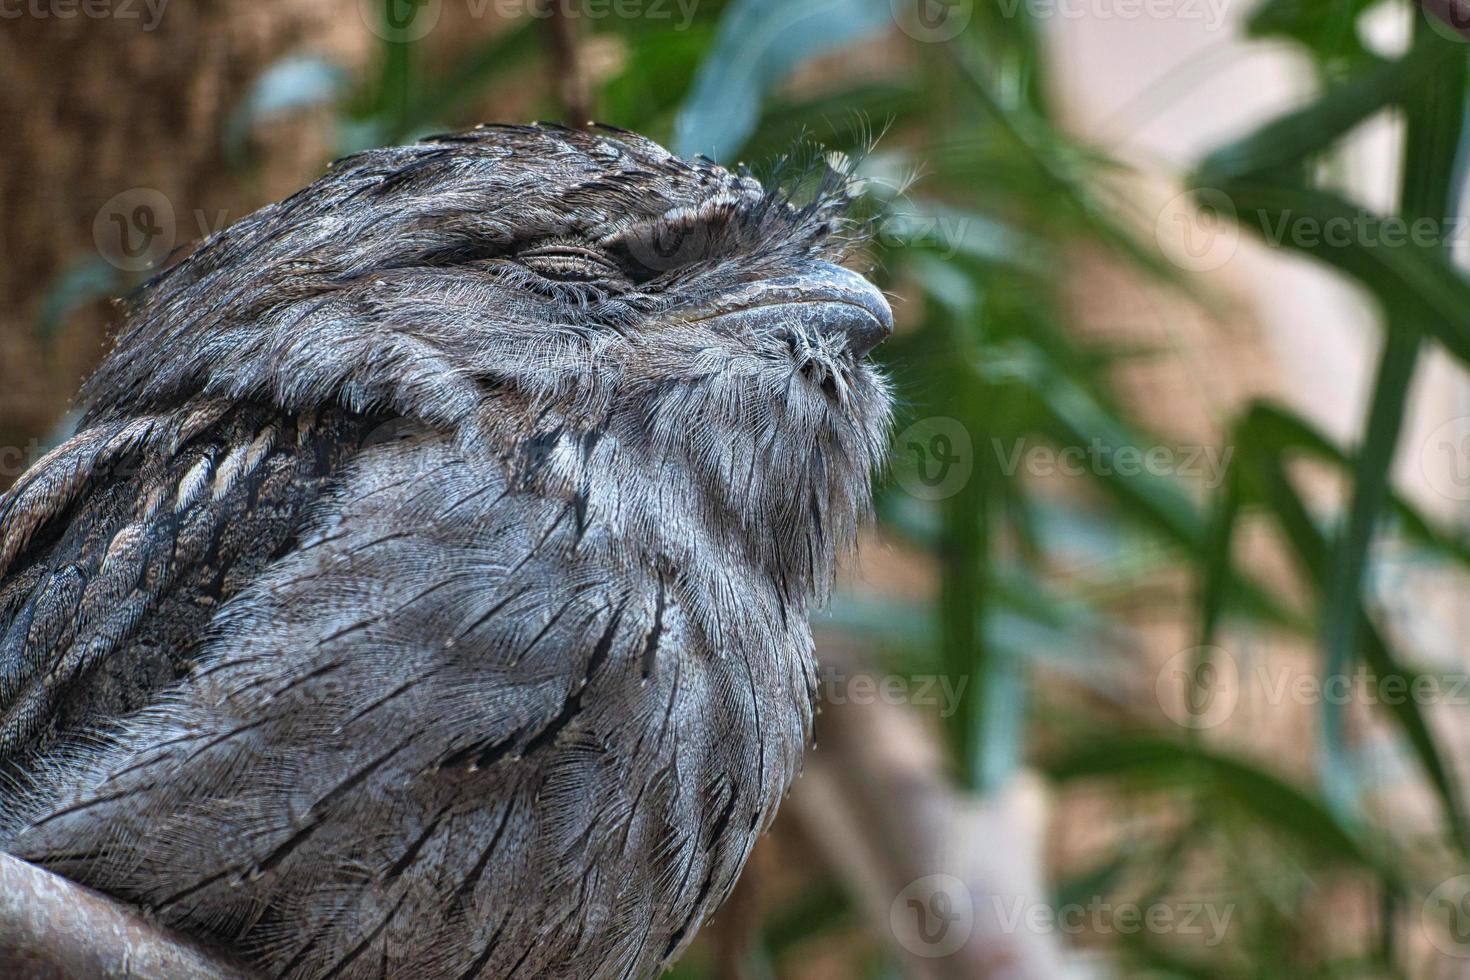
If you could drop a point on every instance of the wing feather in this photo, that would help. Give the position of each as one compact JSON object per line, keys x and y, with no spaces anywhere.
{"x":119,"y":546}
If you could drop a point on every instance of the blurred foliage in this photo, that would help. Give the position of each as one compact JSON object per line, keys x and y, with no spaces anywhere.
{"x":987,"y":201}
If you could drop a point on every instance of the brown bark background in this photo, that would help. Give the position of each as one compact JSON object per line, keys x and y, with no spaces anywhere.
{"x":98,"y":106}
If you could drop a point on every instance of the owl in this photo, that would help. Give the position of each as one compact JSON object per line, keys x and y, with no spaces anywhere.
{"x":425,"y":592}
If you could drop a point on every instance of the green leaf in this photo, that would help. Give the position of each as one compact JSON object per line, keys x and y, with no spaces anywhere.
{"x":1327,"y":28}
{"x":1309,"y":545}
{"x":660,"y":66}
{"x":1340,"y":601}
{"x":1268,"y":428}
{"x":1420,"y":291}
{"x":398,"y":79}
{"x":1216,"y":565}
{"x":290,"y":85}
{"x":1424,"y":291}
{"x":82,"y":282}
{"x":1429,"y":191}
{"x":1160,"y":763}
{"x":1288,"y":141}
{"x":445,"y":99}
{"x":760,"y":43}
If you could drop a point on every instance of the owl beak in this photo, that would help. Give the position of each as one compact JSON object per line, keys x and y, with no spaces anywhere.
{"x":819,"y":300}
{"x":848,"y":306}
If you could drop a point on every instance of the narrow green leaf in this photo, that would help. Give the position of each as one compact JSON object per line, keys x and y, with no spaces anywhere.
{"x":1340,"y":601}
{"x":290,"y":85}
{"x":966,"y":560}
{"x":1419,"y":285}
{"x":1309,"y":544}
{"x":758,"y":44}
{"x":80,"y":283}
{"x":1272,"y":801}
{"x":1327,"y":28}
{"x":446,"y":99}
{"x":1291,"y":139}
{"x":1272,"y":428}
{"x":1216,"y":565}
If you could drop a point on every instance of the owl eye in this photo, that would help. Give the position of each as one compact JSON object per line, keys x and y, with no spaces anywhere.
{"x":569,"y":263}
{"x":663,"y":246}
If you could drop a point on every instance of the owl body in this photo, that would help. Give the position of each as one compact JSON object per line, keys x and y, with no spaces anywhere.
{"x":424,"y":611}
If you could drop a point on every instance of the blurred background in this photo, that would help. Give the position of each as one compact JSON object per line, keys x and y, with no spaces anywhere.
{"x":1155,"y":662}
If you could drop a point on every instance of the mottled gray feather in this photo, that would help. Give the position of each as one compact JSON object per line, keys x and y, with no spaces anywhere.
{"x":404,"y":609}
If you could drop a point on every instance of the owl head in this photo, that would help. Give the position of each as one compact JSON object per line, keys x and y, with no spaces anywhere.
{"x":526,"y":288}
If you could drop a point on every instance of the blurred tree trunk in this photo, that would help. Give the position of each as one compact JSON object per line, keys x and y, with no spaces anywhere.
{"x":132,"y":104}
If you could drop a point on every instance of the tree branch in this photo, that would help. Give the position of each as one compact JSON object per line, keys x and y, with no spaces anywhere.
{"x":54,"y":928}
{"x":939,"y":873}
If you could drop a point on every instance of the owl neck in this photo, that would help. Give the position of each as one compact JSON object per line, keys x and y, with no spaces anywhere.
{"x":688,"y":497}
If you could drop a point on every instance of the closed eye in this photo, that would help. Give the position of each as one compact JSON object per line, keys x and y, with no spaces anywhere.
{"x":569,"y":263}
{"x":669,"y":245}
